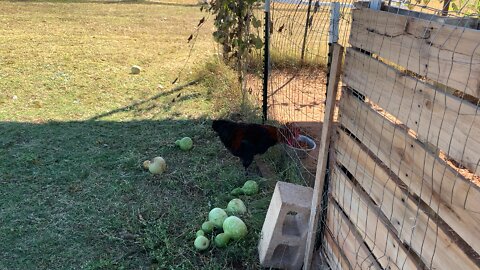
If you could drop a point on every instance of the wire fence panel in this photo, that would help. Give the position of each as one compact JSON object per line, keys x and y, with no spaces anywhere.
{"x":300,"y":36}
{"x":297,"y":81}
{"x":406,"y":151}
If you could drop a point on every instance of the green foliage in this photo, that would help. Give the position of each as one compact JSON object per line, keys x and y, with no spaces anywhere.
{"x":233,"y":22}
{"x":459,"y":7}
{"x":219,"y":80}
{"x":466,"y":7}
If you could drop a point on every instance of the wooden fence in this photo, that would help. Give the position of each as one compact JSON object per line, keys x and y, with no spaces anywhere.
{"x":405,"y":189}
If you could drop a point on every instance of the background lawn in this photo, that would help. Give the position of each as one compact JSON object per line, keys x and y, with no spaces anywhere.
{"x":72,"y":191}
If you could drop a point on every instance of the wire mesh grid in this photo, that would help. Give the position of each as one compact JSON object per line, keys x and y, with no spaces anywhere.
{"x":405,"y":175}
{"x":299,"y":47}
{"x":406,"y":157}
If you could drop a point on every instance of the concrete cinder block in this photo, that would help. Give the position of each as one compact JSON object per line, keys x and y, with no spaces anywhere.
{"x":284,"y":232}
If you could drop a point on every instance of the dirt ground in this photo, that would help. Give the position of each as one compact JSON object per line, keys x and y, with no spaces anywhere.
{"x":296,"y":97}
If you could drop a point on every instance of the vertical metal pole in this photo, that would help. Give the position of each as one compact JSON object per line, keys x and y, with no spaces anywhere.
{"x":334,"y":22}
{"x":332,"y":34}
{"x":375,"y":4}
{"x":304,"y":44}
{"x":446,"y":7}
{"x":266,"y":61}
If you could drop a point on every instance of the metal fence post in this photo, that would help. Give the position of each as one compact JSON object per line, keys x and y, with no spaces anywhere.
{"x":307,"y":22}
{"x":332,"y":34}
{"x":334,"y":22}
{"x":376,"y":4}
{"x":266,"y":61}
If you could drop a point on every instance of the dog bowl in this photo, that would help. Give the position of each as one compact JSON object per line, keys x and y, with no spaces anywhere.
{"x":302,"y":152}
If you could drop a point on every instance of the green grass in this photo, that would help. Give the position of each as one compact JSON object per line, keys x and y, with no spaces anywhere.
{"x":73,"y":194}
{"x":65,"y":61}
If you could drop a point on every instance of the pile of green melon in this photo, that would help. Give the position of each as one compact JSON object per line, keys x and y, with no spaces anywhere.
{"x":226,"y":223}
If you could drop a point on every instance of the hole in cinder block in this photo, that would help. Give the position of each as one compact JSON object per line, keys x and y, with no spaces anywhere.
{"x":284,"y":255}
{"x":294,"y":224}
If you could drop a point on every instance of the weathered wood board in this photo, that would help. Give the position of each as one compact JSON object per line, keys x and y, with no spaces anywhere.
{"x":349,"y":241}
{"x":452,"y":197}
{"x":424,"y":173}
{"x":421,"y":232}
{"x":335,"y":255}
{"x":375,"y":229}
{"x":443,"y":53}
{"x":439,"y":118}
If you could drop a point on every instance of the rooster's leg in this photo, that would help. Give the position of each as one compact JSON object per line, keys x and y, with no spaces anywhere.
{"x":246,"y":163}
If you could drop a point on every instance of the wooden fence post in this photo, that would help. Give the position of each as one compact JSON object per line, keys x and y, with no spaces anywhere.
{"x":323,"y":153}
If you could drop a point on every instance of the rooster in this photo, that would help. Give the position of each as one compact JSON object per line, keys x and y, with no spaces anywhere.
{"x":247,"y":140}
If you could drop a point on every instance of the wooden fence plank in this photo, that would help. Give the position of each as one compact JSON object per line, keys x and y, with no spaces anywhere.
{"x":375,"y":229}
{"x":336,"y":257}
{"x":452,"y":197}
{"x":423,"y":234}
{"x":437,"y":117}
{"x":327,"y":128}
{"x":349,"y":241}
{"x":444,"y":53}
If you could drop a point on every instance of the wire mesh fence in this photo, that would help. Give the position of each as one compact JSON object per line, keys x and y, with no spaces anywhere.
{"x":405,"y":172}
{"x":300,"y":34}
{"x":404,"y":167}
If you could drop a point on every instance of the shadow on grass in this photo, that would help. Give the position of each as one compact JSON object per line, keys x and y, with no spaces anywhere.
{"x":74,"y":194}
{"x":141,"y":102}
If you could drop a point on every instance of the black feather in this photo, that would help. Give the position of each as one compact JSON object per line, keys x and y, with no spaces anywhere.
{"x":245,"y":140}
